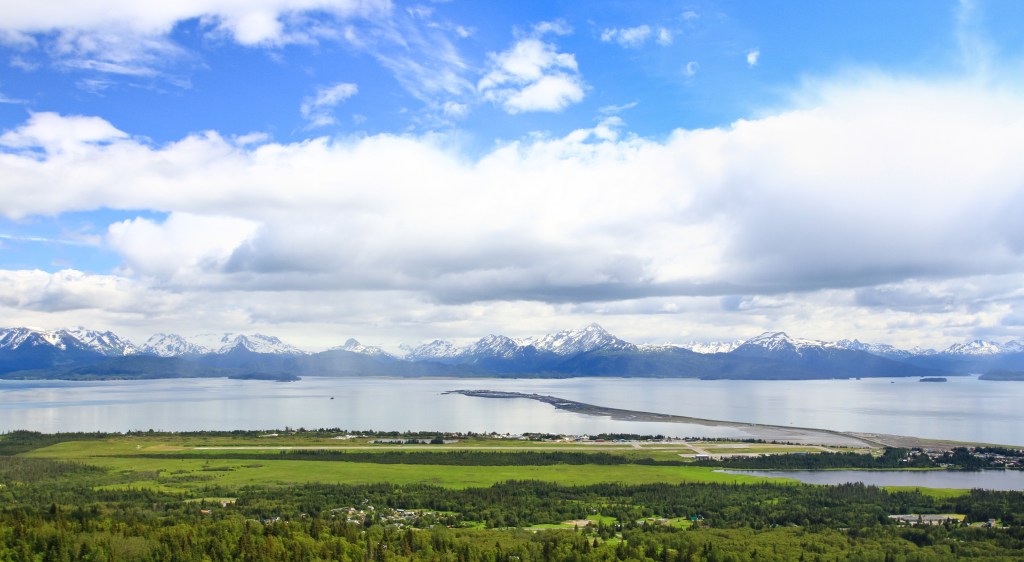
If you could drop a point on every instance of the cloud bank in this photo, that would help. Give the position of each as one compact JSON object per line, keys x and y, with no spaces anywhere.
{"x":873,"y":202}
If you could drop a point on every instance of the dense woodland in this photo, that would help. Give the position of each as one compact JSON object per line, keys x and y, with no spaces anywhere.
{"x":60,"y":510}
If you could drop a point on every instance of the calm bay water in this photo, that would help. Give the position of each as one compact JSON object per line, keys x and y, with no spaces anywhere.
{"x":986,"y":479}
{"x":963,"y":409}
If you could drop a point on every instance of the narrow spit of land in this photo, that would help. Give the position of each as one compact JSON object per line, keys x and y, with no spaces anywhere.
{"x":791,"y":434}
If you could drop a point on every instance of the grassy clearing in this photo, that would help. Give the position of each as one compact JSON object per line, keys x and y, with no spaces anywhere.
{"x":185,"y":475}
{"x":933,"y":492}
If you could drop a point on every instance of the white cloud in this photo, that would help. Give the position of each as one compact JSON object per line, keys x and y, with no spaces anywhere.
{"x":691,"y":69}
{"x":616,"y":109}
{"x":57,"y":134}
{"x":627,"y":37}
{"x":317,"y":109}
{"x":976,"y":50}
{"x":753,"y":56}
{"x":67,"y":290}
{"x":454,"y":109}
{"x":842,"y":207}
{"x":549,"y":93}
{"x":5,"y":99}
{"x":532,"y":76}
{"x":556,"y":27}
{"x":183,"y":245}
{"x":133,"y":39}
{"x":248,"y":23}
{"x":664,"y":37}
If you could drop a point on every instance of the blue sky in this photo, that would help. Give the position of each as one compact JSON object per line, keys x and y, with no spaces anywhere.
{"x":399,"y":171}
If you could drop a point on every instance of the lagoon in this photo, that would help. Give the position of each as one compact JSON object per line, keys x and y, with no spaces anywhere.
{"x":955,"y":479}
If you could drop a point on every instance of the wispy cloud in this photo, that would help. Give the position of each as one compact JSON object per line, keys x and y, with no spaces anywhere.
{"x":317,"y":109}
{"x":976,"y":50}
{"x":690,"y":69}
{"x":617,"y":109}
{"x":5,"y":99}
{"x":627,"y":37}
{"x":664,"y":37}
{"x":634,"y":37}
{"x":45,"y":240}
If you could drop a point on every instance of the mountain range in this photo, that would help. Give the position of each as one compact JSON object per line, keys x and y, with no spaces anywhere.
{"x":591,"y":351}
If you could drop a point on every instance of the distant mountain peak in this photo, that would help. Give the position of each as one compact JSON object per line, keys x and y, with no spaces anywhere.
{"x":975,"y":347}
{"x":590,"y":338}
{"x":352,"y":345}
{"x":437,"y":349}
{"x":172,"y":345}
{"x":257,"y":343}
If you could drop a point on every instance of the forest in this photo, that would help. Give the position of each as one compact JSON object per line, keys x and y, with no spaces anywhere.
{"x":56,"y":506}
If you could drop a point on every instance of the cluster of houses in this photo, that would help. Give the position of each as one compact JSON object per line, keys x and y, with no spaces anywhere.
{"x":912,"y":520}
{"x":997,"y":457}
{"x":398,"y":517}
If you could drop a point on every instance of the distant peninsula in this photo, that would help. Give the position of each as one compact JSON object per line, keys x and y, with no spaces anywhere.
{"x":1002,"y":376}
{"x":766,"y":432}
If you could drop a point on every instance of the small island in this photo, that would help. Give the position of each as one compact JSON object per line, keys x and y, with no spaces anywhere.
{"x":933,"y":379}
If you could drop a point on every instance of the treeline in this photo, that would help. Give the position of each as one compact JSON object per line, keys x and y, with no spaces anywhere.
{"x":21,"y":441}
{"x":890,"y":458}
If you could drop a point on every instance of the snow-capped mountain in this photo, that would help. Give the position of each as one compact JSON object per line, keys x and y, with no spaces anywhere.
{"x":704,"y":348}
{"x":172,"y":345}
{"x":437,"y":349}
{"x":982,"y":347}
{"x":880,"y":349}
{"x":712,"y":346}
{"x":495,"y":346}
{"x":781,"y":342}
{"x":257,"y":343}
{"x":564,"y":343}
{"x":353,"y":346}
{"x":571,"y":342}
{"x":589,"y":351}
{"x":103,"y":343}
{"x":18,"y":338}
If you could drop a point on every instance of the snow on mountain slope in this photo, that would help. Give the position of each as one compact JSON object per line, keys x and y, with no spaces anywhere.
{"x":880,"y":349}
{"x":172,"y":345}
{"x":257,"y":343}
{"x":353,"y":346}
{"x":495,"y":346}
{"x":106,"y":343}
{"x":15,"y":338}
{"x":975,"y":347}
{"x":571,"y":342}
{"x":712,"y":346}
{"x":437,"y":349}
{"x":780,"y":341}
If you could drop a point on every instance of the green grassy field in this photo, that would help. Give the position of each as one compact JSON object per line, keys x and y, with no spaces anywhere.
{"x":190,"y":467}
{"x":122,"y":455}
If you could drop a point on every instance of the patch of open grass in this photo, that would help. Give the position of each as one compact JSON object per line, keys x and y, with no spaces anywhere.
{"x":121,"y":455}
